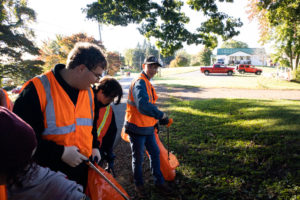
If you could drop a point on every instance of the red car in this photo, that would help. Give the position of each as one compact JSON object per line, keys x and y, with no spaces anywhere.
{"x":242,"y":68}
{"x":217,"y":68}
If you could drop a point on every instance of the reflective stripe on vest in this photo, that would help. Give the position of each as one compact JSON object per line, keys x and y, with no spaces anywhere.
{"x":52,"y":129}
{"x":103,"y":120}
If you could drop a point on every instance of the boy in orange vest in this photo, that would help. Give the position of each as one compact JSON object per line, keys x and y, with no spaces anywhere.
{"x":141,"y":116}
{"x":108,"y":90}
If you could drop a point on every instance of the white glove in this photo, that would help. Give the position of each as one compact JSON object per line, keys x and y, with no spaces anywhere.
{"x":96,"y":155}
{"x":72,"y":157}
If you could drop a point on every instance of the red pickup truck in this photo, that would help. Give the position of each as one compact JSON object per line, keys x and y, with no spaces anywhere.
{"x":242,"y":68}
{"x":217,"y":68}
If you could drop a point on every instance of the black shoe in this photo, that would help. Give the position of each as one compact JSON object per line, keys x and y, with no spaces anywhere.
{"x":164,"y":188}
{"x":141,"y":191}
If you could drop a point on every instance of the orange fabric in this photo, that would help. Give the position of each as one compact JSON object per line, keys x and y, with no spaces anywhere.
{"x":9,"y":103}
{"x":132,"y":113}
{"x":124,"y":135}
{"x":66,"y":114}
{"x":103,"y":122}
{"x":167,"y":165}
{"x":3,"y":195}
{"x":98,"y":189}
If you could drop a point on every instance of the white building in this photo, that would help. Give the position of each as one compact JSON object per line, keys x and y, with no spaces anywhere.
{"x":254,"y":56}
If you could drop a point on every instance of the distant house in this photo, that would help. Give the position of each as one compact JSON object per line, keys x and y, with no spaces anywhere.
{"x":254,"y":56}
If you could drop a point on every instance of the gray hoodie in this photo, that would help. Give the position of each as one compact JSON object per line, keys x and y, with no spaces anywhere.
{"x":45,"y":184}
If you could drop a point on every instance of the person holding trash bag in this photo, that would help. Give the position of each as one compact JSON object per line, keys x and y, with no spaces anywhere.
{"x":106,"y":91}
{"x":59,"y":105}
{"x":25,"y":180}
{"x":141,"y":116}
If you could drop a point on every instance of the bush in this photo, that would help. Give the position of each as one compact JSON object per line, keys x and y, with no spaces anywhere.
{"x":179,"y":61}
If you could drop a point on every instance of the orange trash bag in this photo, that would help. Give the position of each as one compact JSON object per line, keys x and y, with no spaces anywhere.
{"x":167,"y":165}
{"x":3,"y":195}
{"x":98,"y":189}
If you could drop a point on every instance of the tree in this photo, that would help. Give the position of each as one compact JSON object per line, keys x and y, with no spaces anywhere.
{"x":164,"y":21}
{"x":279,"y":23}
{"x":203,"y":58}
{"x":234,"y":44}
{"x":179,"y":61}
{"x":15,"y":41}
{"x":56,"y":51}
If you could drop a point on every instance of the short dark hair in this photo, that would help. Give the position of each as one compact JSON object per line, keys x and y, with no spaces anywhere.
{"x":110,"y":88}
{"x":88,"y":54}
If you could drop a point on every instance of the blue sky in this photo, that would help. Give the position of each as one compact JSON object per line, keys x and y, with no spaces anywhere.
{"x":65,"y":17}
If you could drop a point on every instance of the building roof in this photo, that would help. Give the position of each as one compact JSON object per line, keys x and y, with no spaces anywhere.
{"x":251,"y":51}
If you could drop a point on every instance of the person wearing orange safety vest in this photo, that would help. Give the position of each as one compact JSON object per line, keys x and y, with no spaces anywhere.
{"x":59,"y":106}
{"x":108,"y":90}
{"x":5,"y":101}
{"x":141,"y":116}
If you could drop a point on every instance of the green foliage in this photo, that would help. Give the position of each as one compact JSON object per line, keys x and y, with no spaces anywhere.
{"x":280,"y":23}
{"x":135,"y":57}
{"x":15,"y":39}
{"x":164,"y":21}
{"x":234,"y":44}
{"x":202,"y":58}
{"x":235,"y":149}
{"x":179,"y":61}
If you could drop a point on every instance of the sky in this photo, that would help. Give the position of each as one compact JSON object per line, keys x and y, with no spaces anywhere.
{"x":66,"y":17}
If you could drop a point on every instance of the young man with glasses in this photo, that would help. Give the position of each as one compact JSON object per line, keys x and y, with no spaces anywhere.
{"x":59,"y":105}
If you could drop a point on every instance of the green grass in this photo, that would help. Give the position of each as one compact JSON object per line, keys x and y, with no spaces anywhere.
{"x":242,"y":81}
{"x":236,"y":148}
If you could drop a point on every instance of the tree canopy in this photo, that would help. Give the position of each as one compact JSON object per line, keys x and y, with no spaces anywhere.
{"x":234,"y":44}
{"x":56,"y":51}
{"x":280,"y":23}
{"x":164,"y":21}
{"x":16,"y":40}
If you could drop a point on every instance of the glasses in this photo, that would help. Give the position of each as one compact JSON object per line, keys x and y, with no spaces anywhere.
{"x":98,"y":76}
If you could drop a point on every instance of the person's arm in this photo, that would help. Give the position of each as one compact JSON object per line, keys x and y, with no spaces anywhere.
{"x":27,"y":106}
{"x":2,"y":99}
{"x":141,"y":100}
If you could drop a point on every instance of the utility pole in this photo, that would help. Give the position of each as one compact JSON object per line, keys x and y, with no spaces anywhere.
{"x":99,"y":29}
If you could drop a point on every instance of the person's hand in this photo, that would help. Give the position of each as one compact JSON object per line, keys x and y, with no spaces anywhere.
{"x":96,"y":157}
{"x":110,"y":164}
{"x":72,"y":157}
{"x":164,"y":121}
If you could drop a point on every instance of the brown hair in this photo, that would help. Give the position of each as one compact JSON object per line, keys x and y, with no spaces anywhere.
{"x":88,"y":54}
{"x":110,"y":88}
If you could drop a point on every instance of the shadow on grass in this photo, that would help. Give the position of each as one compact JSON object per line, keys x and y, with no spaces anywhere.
{"x":224,"y":157}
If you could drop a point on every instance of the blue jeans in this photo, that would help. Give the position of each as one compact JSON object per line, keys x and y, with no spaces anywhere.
{"x":138,"y":144}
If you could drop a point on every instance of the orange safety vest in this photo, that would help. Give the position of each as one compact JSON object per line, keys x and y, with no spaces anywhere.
{"x":103,"y":122}
{"x":3,"y":195}
{"x":132,"y":114}
{"x":9,"y":103}
{"x":65,"y":123}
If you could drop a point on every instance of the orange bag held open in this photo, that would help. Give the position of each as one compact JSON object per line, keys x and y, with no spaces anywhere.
{"x":3,"y":195}
{"x":98,"y":189}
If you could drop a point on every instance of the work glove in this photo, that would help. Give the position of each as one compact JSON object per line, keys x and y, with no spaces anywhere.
{"x":96,"y":157}
{"x":164,"y":121}
{"x":72,"y":157}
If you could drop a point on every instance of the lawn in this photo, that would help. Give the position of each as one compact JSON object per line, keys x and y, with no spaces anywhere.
{"x":174,"y":77}
{"x":235,"y":148}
